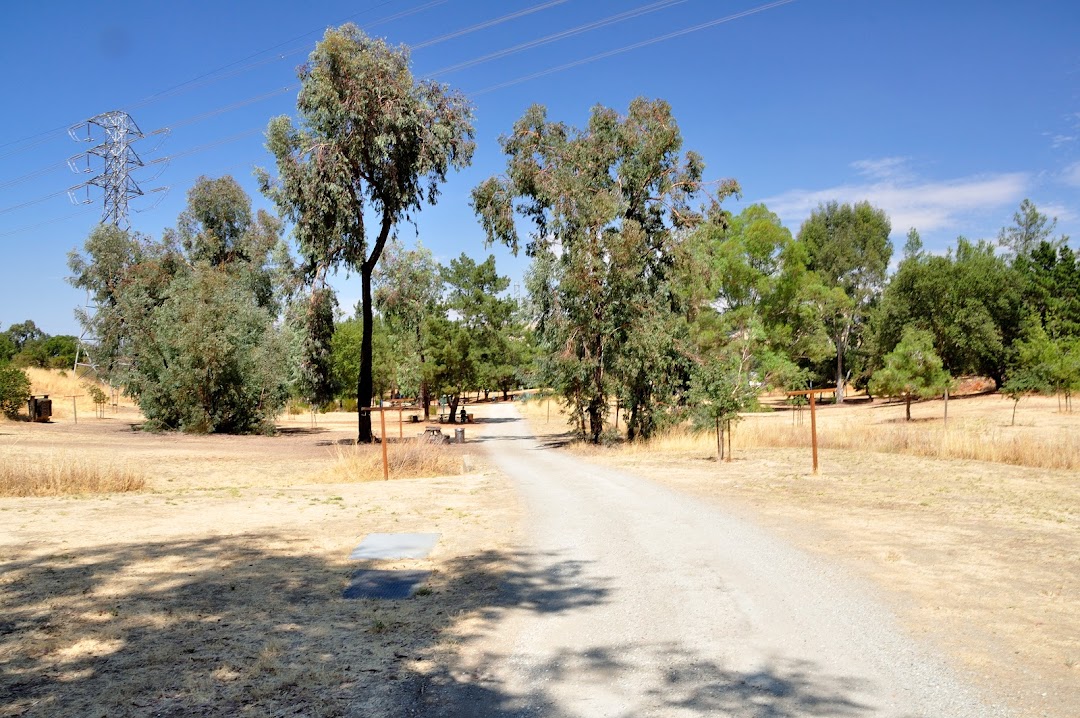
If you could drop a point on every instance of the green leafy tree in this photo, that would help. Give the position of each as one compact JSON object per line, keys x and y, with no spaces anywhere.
{"x":312,"y":321}
{"x":7,"y":348}
{"x":474,"y":291}
{"x":188,"y":332}
{"x":912,"y":370}
{"x":968,"y":299}
{"x":759,"y":283}
{"x":408,"y":290}
{"x":22,"y":333}
{"x":848,"y":247}
{"x":608,"y":205}
{"x":14,"y":390}
{"x":1029,"y":229}
{"x":1049,"y":280}
{"x":720,"y":388}
{"x":1031,"y":370}
{"x":451,"y":367}
{"x":372,"y":145}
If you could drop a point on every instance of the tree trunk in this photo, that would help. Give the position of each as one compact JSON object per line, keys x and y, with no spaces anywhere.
{"x":719,"y":449}
{"x":1015,"y":402}
{"x":596,"y":421}
{"x":363,"y":381}
{"x":907,"y":406}
{"x":453,"y":402}
{"x":946,"y":407}
{"x":730,"y":436}
{"x":721,"y":425}
{"x":425,"y":390}
{"x":839,"y":376}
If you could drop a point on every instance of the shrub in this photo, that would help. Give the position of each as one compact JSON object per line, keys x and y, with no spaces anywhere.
{"x":14,"y":390}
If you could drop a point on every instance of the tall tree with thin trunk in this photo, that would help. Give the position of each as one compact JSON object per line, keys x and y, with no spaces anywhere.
{"x":372,"y":145}
{"x":609,"y":204}
{"x":849,"y":248}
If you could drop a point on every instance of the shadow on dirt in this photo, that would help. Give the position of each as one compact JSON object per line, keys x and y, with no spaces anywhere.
{"x":222,"y":627}
{"x":254,"y":625}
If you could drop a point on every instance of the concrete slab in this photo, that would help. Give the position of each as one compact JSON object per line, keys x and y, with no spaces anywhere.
{"x":367,"y":583}
{"x":392,"y":546}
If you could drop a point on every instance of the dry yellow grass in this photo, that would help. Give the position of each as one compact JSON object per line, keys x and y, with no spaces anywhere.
{"x":983,"y":434}
{"x":63,"y":475}
{"x":62,"y":385}
{"x":1057,"y":450}
{"x":410,"y":459}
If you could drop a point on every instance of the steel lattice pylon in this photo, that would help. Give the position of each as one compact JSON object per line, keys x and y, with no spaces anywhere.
{"x":115,"y":132}
{"x":120,"y":159}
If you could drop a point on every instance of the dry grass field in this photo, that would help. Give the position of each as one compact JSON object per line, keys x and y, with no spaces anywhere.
{"x":215,"y":586}
{"x":967,"y":531}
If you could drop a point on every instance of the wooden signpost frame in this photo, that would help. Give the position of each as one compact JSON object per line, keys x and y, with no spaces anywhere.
{"x":813,"y":417}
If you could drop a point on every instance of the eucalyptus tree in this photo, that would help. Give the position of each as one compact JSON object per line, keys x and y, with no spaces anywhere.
{"x":186,"y":324}
{"x":608,"y":205}
{"x":848,"y":247}
{"x":371,"y":146}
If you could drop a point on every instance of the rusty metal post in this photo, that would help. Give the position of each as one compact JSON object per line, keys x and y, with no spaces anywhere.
{"x":813,"y":429}
{"x":385,"y":465}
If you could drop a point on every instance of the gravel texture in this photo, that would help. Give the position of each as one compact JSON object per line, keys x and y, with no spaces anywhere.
{"x":640,"y":601}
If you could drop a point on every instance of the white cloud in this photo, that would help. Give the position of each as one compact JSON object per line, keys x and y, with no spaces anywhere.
{"x":927,"y":206}
{"x":1058,"y":141}
{"x":1058,"y":211}
{"x":883,"y":168}
{"x":1071,"y":175}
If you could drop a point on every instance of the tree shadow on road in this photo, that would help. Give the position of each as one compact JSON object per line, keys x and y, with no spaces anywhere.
{"x":682,"y":683}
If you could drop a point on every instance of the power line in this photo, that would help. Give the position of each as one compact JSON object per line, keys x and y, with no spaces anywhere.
{"x":561,"y":35}
{"x":46,"y":135}
{"x":488,"y":23}
{"x":213,"y":76}
{"x":633,"y":46}
{"x":603,"y":22}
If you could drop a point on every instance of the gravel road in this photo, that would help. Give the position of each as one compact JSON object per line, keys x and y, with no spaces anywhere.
{"x":634,"y":600}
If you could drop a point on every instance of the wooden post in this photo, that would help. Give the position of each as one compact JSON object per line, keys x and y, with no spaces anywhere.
{"x":74,"y":406}
{"x":946,"y":407}
{"x":385,"y":465}
{"x":812,"y":393}
{"x":400,"y":430}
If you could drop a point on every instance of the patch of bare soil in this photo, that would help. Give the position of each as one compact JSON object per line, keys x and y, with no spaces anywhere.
{"x":981,"y":559}
{"x":218,"y":590}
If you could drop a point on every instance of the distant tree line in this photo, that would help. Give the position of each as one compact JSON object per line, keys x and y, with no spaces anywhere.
{"x":25,"y":345}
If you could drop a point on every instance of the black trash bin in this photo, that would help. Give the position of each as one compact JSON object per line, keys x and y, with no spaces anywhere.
{"x":39,"y":408}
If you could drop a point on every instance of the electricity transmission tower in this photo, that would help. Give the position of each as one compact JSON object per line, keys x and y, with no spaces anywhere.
{"x":112,"y":161}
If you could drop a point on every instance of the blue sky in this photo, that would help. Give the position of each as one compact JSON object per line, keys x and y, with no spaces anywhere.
{"x":945,"y":114}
